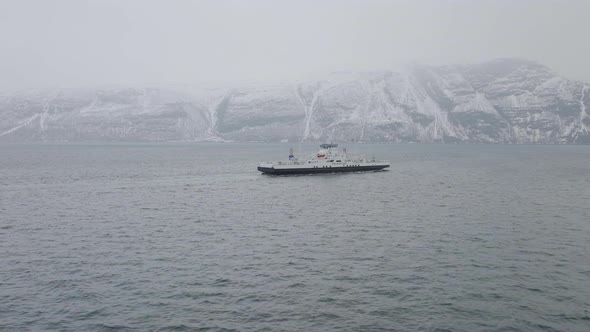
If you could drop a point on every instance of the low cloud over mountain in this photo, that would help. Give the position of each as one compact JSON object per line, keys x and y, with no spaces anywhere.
{"x":501,"y":101}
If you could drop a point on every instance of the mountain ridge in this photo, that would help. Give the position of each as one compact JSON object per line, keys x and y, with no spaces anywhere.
{"x":500,"y":101}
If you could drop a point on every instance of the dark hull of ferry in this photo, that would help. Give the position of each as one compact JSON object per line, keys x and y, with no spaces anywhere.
{"x":288,"y":171}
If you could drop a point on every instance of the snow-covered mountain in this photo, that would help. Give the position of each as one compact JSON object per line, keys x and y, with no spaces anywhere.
{"x":502,"y":101}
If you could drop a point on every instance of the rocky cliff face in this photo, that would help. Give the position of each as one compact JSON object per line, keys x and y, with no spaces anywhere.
{"x":502,"y":101}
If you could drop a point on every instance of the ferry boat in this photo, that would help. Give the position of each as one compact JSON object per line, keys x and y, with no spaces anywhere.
{"x":329,"y":159}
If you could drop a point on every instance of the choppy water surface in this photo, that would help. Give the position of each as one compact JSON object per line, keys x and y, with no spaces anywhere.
{"x":190,"y":237}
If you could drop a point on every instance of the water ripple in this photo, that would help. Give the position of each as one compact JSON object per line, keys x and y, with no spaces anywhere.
{"x":191,"y":238}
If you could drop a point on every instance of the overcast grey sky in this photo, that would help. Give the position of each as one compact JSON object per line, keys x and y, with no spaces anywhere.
{"x":82,"y":42}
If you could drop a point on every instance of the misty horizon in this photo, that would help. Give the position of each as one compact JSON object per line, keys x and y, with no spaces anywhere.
{"x":318,"y":76}
{"x":97,"y":43}
{"x":237,"y":83}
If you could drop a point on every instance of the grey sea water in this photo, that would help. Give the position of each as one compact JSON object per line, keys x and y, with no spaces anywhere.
{"x":182,"y":237}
